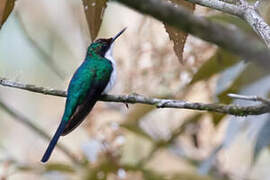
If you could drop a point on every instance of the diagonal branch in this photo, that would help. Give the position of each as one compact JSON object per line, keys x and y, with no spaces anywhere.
{"x":24,"y":120}
{"x":159,"y":103}
{"x":230,"y":38}
{"x":244,"y":10}
{"x":219,"y":5}
{"x":255,"y":20}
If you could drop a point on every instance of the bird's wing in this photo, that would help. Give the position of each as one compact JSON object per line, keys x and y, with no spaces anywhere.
{"x":84,"y":91}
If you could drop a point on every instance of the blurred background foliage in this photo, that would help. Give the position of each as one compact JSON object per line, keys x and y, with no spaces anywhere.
{"x":43,"y":42}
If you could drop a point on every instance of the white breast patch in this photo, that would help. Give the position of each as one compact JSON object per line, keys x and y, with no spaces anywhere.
{"x":108,"y":55}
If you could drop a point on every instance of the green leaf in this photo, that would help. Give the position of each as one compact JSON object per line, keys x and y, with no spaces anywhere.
{"x":228,"y":76}
{"x":101,"y":171}
{"x":232,"y":80}
{"x":260,"y":124}
{"x":217,"y":63}
{"x":217,"y":117}
{"x":6,"y":6}
{"x":94,"y":11}
{"x":25,"y":168}
{"x":249,"y":75}
{"x":233,"y":20}
{"x":207,"y":164}
{"x":225,"y":81}
{"x":151,"y":175}
{"x":263,"y":138}
{"x":59,"y":167}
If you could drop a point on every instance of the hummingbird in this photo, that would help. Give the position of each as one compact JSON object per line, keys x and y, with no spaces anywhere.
{"x":94,"y":77}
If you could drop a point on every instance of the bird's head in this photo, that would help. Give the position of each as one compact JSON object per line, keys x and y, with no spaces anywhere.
{"x":101,"y":46}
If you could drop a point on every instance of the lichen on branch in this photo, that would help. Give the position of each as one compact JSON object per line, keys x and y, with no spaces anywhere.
{"x":159,"y":103}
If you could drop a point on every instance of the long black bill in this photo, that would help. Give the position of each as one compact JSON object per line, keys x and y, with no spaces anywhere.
{"x":118,"y":34}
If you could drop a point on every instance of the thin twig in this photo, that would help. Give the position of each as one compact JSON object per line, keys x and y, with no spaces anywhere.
{"x":159,"y":103}
{"x":250,"y":98}
{"x":25,"y":121}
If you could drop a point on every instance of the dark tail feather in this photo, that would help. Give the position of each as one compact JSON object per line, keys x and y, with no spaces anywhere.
{"x":53,"y":142}
{"x":77,"y":118}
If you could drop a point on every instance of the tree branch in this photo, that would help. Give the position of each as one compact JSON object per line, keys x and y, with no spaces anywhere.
{"x":24,"y":120}
{"x":159,"y":103}
{"x":219,"y":5}
{"x":230,"y":38}
{"x":254,"y":19}
{"x":245,"y":11}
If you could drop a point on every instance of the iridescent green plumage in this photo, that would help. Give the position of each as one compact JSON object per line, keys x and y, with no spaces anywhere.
{"x":86,"y":86}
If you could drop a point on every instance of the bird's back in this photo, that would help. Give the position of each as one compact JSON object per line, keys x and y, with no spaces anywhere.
{"x":86,"y":86}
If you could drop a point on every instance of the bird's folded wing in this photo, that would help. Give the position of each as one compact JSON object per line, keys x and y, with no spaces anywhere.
{"x":85,"y":107}
{"x":87,"y":95}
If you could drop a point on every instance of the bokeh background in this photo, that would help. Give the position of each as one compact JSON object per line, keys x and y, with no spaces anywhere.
{"x":43,"y":42}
